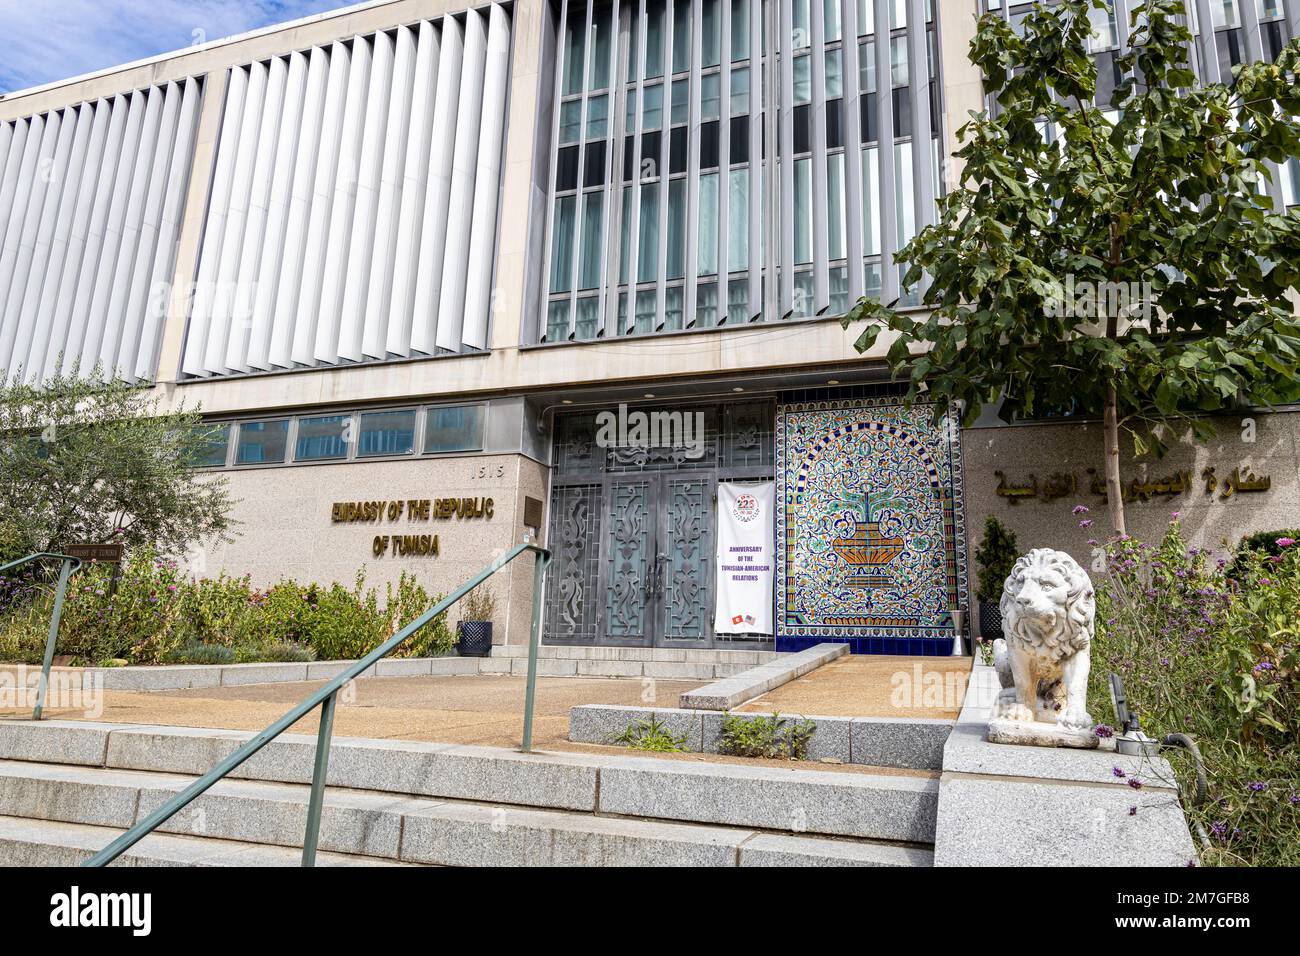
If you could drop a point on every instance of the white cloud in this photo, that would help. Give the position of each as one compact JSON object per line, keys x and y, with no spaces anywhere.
{"x":48,"y":40}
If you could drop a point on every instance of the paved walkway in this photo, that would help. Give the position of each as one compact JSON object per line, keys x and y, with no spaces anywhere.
{"x":869,"y":685}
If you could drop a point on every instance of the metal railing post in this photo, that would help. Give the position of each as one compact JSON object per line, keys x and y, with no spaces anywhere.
{"x":65,"y":572}
{"x":317,"y":800}
{"x":534,"y":640}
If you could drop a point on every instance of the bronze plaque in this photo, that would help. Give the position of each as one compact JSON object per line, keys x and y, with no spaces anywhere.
{"x":106,"y":553}
{"x":532,"y":513}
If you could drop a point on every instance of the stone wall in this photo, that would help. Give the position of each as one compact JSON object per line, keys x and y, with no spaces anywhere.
{"x":1265,"y":444}
{"x":286,"y":529}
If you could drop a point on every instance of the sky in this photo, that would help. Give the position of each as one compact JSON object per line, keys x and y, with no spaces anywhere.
{"x":46,"y":40}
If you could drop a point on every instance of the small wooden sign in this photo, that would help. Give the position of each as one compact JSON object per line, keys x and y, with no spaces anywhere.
{"x":104,"y":553}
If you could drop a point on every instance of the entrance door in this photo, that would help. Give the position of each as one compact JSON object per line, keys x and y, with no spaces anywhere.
{"x":657,"y":566}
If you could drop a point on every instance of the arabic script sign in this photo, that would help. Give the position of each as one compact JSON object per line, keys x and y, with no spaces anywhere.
{"x":1062,"y":484}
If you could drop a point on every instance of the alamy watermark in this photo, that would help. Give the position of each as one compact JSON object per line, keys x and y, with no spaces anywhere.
{"x":624,"y":428}
{"x":68,"y":690}
{"x":1100,"y":300}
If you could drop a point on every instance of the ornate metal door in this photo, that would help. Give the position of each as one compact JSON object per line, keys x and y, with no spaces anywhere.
{"x":633,"y":531}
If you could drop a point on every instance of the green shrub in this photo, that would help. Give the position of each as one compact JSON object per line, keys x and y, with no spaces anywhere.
{"x":1217,"y":659}
{"x":995,"y":557}
{"x":766,"y":736}
{"x":478,"y":605}
{"x":652,"y":735}
{"x":200,"y":654}
{"x":155,"y":611}
{"x":1265,"y":542}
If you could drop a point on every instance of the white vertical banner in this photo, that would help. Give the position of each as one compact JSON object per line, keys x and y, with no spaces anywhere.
{"x":745,"y":558}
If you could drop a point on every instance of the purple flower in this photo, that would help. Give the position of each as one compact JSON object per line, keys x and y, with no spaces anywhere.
{"x":1256,"y":786}
{"x":1164,"y":662}
{"x":1116,"y":771}
{"x":1080,"y":509}
{"x":1104,"y":732}
{"x":1132,"y":811}
{"x":1135,"y":783}
{"x":1085,"y":523}
{"x":1285,"y":542}
{"x":1265,"y":581}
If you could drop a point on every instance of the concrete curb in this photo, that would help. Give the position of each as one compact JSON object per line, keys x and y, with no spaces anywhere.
{"x":735,"y":690}
{"x":914,"y":743}
{"x":553,"y":661}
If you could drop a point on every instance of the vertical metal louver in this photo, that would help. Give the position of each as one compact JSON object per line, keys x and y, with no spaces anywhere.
{"x":353,"y":209}
{"x":91,"y":202}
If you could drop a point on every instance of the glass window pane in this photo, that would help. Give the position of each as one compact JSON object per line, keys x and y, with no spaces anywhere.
{"x":387,"y":433}
{"x":625,"y":236}
{"x":870,"y":202}
{"x":706,"y":305}
{"x":676,"y":266}
{"x":210,"y":445}
{"x":898,"y":14}
{"x":587,"y":322}
{"x":648,"y":235}
{"x":262,"y":442}
{"x":593,"y":240}
{"x":738,"y":221}
{"x":711,"y":34}
{"x":673,"y":308}
{"x":652,"y":107}
{"x":453,"y":428}
{"x":835,"y":231}
{"x":866,"y":18}
{"x":654,"y":39}
{"x":322,"y":438}
{"x":738,"y":301}
{"x":557,"y":320}
{"x":803,"y":210}
{"x":681,"y":36}
{"x":839,"y":303}
{"x":802,"y":79}
{"x":898,"y":61}
{"x":601,"y":36}
{"x":645,"y":311}
{"x":802,"y":33}
{"x":739,"y":30}
{"x":562,"y":245}
{"x":1224,"y":13}
{"x":708,"y":234}
{"x":570,"y":121}
{"x":710,"y":96}
{"x":574,"y":28}
{"x":834,"y":74}
{"x":740,"y":91}
{"x":598,"y":116}
{"x":681,"y":112}
{"x":867,"y":67}
{"x":803,"y":295}
{"x":831,"y":20}
{"x":904,"y":206}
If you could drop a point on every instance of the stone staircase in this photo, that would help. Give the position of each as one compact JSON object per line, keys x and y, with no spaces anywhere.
{"x":67,"y":788}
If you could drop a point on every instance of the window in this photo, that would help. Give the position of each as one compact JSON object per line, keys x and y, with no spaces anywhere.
{"x":211,"y":443}
{"x":323,"y":438}
{"x":453,"y":428}
{"x":387,"y":433}
{"x":262,"y":443}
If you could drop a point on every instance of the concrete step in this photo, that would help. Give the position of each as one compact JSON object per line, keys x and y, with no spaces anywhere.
{"x":69,"y":808}
{"x":27,"y":842}
{"x":899,"y":808}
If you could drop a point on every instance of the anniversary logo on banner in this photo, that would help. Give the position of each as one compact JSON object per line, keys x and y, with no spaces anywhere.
{"x":744,"y":558}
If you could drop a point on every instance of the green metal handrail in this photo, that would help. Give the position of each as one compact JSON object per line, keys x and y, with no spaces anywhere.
{"x":325,"y":699}
{"x":67,"y":568}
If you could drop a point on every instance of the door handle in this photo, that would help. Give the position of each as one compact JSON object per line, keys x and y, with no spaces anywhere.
{"x":659,"y":573}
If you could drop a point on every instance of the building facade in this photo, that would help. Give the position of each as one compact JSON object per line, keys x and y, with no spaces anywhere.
{"x":412,"y":257}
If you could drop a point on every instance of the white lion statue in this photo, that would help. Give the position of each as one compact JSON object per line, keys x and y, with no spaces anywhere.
{"x":1048,"y":608}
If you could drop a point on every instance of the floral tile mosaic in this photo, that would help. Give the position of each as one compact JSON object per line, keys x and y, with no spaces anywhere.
{"x":870,"y":527}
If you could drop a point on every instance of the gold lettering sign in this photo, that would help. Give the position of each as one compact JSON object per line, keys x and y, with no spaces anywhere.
{"x":1063,"y":484}
{"x":410,"y":509}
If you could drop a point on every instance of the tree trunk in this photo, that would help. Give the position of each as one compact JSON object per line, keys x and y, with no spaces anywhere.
{"x":1114,"y":491}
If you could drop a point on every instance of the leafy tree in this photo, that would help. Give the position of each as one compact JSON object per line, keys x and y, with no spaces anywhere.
{"x":85,"y":459}
{"x":1160,"y":212}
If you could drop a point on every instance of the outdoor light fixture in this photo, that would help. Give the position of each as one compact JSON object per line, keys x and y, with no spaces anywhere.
{"x":1131,"y":740}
